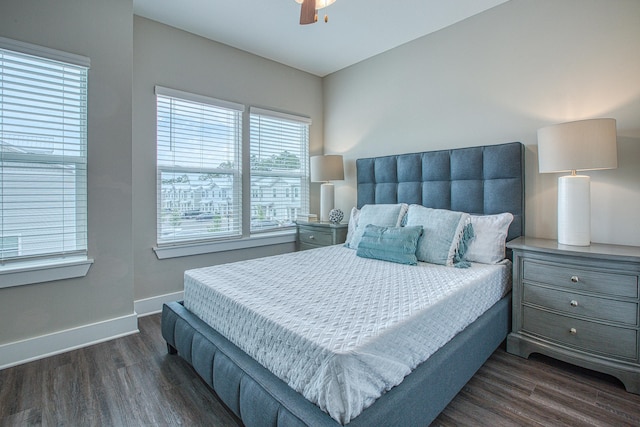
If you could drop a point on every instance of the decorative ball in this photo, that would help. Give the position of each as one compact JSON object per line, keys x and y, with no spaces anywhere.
{"x":335,"y":216}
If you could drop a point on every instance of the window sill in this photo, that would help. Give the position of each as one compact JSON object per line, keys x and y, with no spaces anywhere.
{"x":29,"y":273}
{"x":265,"y":239}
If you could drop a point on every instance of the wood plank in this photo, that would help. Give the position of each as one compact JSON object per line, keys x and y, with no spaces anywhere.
{"x":579,"y":412}
{"x":133,"y":381}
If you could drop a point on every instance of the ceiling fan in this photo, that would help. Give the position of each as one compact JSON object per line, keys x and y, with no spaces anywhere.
{"x":309,"y":10}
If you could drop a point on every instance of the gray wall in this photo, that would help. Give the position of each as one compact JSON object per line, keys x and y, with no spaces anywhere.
{"x":498,"y":77}
{"x":173,"y":58}
{"x":102,"y":31}
{"x":493,"y":78}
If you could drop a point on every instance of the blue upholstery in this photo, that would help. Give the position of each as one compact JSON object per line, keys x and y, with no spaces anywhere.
{"x":477,"y":180}
{"x":260,"y":398}
{"x":248,"y":389}
{"x":480,"y":180}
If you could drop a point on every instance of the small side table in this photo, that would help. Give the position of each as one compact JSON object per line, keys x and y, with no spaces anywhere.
{"x":578,"y":304}
{"x":313,"y":235}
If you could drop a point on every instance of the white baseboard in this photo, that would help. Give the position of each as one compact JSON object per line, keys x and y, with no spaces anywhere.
{"x":18,"y":352}
{"x":153,"y":305}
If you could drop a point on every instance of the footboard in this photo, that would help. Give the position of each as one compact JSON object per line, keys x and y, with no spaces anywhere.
{"x":253,"y":393}
{"x":259,"y":398}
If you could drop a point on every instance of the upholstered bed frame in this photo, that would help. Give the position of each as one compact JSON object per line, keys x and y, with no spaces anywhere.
{"x":481,"y":180}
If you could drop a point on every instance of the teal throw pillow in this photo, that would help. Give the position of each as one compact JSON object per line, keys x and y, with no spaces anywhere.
{"x":395,"y":244}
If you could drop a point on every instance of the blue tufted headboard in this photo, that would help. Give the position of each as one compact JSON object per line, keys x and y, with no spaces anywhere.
{"x":478,"y":180}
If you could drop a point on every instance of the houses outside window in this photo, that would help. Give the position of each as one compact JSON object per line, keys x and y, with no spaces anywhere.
{"x":279,"y":153}
{"x":200,"y":171}
{"x":199,"y":142}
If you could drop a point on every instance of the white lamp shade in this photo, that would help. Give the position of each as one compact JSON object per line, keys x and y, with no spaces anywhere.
{"x":327,"y":168}
{"x":575,"y":146}
{"x":581,"y":145}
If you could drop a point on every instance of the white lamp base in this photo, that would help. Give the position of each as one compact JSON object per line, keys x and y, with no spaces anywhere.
{"x":326,"y":200}
{"x":574,"y":210}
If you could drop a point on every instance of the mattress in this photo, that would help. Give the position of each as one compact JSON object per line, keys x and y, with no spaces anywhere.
{"x":340,"y":329}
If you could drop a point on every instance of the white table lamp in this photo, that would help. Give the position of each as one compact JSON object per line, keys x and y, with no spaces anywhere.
{"x":324,"y":169}
{"x":571,"y":147}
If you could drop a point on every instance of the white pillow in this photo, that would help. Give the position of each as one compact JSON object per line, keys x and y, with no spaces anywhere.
{"x":488,"y":247}
{"x":353,"y":223}
{"x":444,"y":237}
{"x":380,"y":215}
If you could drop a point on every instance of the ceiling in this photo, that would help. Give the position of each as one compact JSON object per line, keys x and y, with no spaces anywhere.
{"x":357,"y":29}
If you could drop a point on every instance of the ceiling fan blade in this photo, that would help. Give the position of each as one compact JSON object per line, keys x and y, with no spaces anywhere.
{"x":308,"y":12}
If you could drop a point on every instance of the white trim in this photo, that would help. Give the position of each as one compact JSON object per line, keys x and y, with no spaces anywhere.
{"x":279,"y":115}
{"x":266,"y":239}
{"x":44,"y":52}
{"x":28,"y":273}
{"x":153,"y":305}
{"x":175,"y":93}
{"x":18,"y":352}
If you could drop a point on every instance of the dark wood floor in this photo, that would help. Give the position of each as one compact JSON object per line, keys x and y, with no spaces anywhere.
{"x":131,"y":381}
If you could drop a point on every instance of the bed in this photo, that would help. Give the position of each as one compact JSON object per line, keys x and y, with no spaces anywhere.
{"x":480,"y":180}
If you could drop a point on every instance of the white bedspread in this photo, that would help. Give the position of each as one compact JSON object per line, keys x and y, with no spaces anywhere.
{"x":340,"y":329}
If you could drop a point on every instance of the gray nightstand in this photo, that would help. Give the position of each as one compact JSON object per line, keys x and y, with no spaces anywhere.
{"x":313,"y":235}
{"x":578,"y":304}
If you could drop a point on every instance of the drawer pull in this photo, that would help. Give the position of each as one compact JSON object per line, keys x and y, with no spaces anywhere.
{"x":311,"y":237}
{"x":573,"y":331}
{"x":574,"y":303}
{"x":575,"y":279}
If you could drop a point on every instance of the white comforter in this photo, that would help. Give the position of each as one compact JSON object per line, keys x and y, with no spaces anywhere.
{"x":340,"y":329}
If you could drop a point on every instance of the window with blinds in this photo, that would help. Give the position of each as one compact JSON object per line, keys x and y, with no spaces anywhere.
{"x":199,"y":180}
{"x":279,"y":169}
{"x":43,"y":153}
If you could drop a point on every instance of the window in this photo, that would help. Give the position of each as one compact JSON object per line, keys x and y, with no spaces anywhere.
{"x":43,"y":156}
{"x":199,"y":168}
{"x":279,"y":154}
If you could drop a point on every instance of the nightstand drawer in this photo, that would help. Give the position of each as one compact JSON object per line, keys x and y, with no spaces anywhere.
{"x":312,"y":235}
{"x":590,"y":321}
{"x":590,"y":336}
{"x":582,"y":305}
{"x":315,"y":237}
{"x":578,"y":279}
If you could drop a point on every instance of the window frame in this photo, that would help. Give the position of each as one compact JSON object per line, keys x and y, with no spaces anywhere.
{"x":58,"y":265}
{"x":303,"y":175}
{"x":191,"y":100}
{"x":247,"y":240}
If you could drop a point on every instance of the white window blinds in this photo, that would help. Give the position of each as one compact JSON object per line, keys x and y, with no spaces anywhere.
{"x":199,"y":167}
{"x":43,"y":153}
{"x":279,"y":154}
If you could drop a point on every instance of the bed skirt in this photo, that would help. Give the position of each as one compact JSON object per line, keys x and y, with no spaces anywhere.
{"x":259,"y":398}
